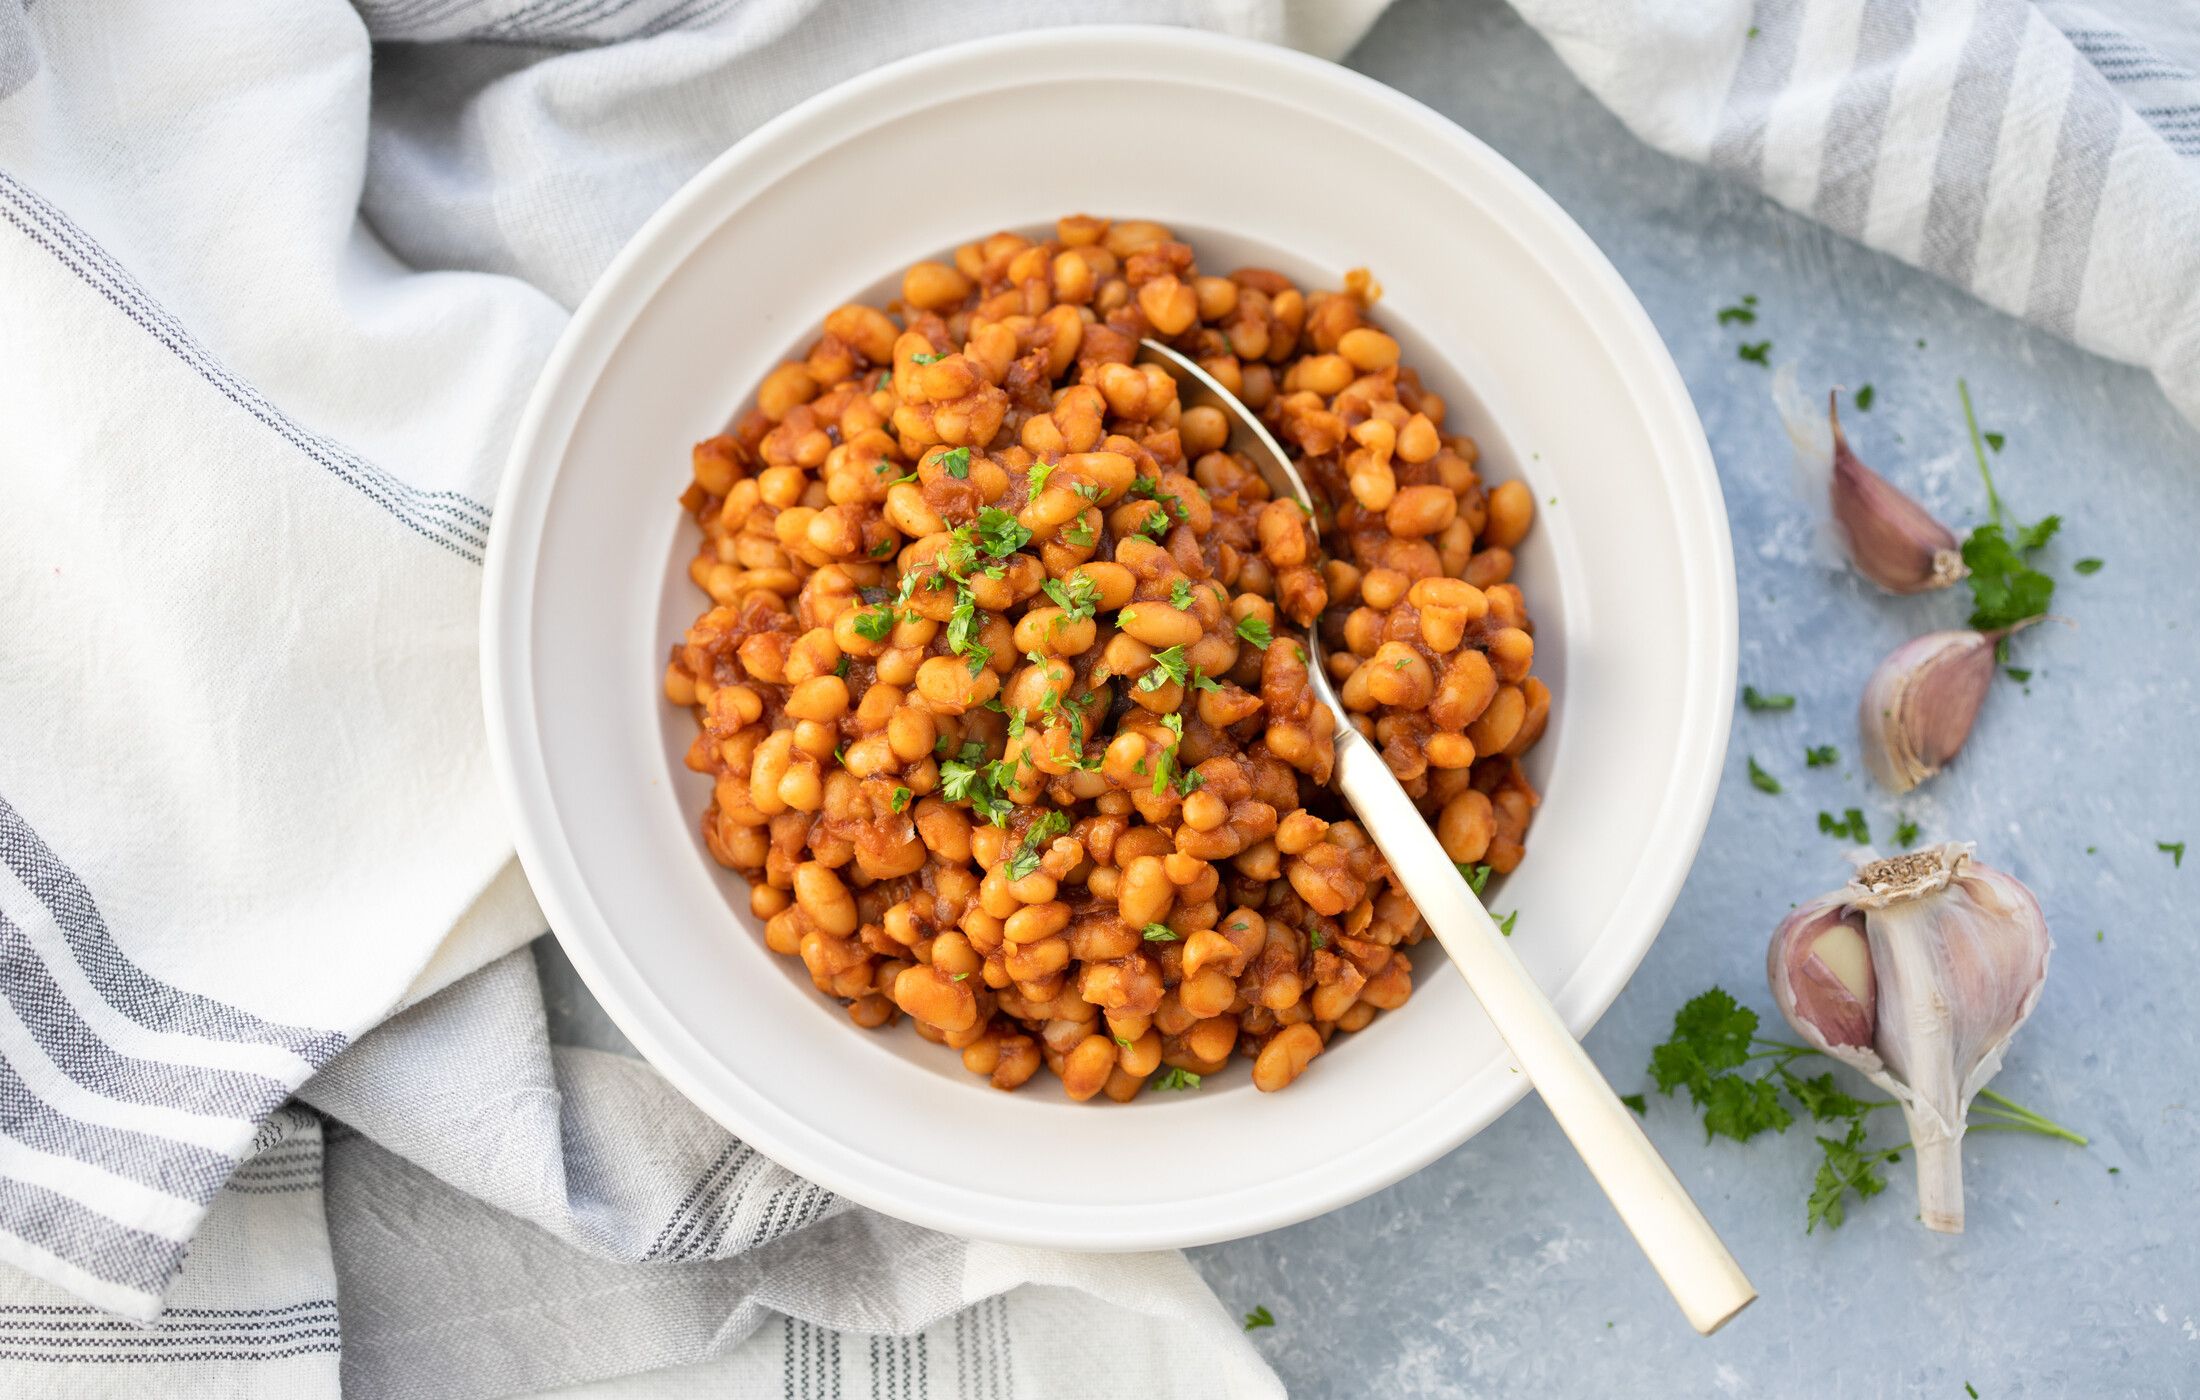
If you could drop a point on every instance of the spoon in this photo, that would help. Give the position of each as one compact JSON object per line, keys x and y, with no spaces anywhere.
{"x":1681,"y":1245}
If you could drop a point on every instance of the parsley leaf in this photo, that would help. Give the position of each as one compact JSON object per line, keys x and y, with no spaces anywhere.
{"x":2176,"y":850}
{"x":1822,"y":756}
{"x":1635,"y":1102}
{"x":1078,"y":535}
{"x":2087,"y":566}
{"x":1757,"y":354}
{"x":2005,"y":590}
{"x":1180,"y":595}
{"x":962,"y":632}
{"x":1849,"y":824}
{"x":1757,"y":702}
{"x":999,"y":533}
{"x":1737,"y":315}
{"x":1255,"y":630}
{"x":1038,"y":475}
{"x":1847,"y":1167}
{"x":1158,"y":933}
{"x":1476,"y":875}
{"x":1036,"y":840}
{"x":1258,"y":1317}
{"x":926,"y":357}
{"x":1168,"y":665}
{"x":1710,"y":1034}
{"x":956,"y":463}
{"x":1177,"y":1079}
{"x":901,"y":798}
{"x":1077,"y":596}
{"x":1864,"y":399}
{"x":1760,"y":779}
{"x":1505,"y":925}
{"x":875,"y":624}
{"x":1905,"y":832}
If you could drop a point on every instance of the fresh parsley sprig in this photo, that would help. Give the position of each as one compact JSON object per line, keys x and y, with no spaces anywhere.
{"x":1744,"y":1083}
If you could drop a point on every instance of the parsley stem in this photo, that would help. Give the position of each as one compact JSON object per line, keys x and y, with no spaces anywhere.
{"x":1970,"y":419}
{"x":2020,"y":1116}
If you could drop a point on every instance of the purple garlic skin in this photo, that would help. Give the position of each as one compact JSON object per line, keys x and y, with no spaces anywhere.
{"x":1919,"y":705}
{"x":1956,"y":958}
{"x":1891,"y":539}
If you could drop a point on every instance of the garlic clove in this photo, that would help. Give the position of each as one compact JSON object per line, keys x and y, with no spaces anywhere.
{"x":1875,"y":528}
{"x":1892,"y":540}
{"x":1821,"y":974}
{"x":1919,"y":705}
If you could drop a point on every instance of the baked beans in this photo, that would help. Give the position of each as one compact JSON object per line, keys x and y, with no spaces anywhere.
{"x":1002,"y":687}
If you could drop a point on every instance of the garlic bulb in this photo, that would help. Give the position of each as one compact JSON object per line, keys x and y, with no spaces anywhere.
{"x":1917,"y":975}
{"x":1888,"y":538}
{"x":1920,"y":702}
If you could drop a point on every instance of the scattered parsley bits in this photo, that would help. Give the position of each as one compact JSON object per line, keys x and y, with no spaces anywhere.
{"x":1743,"y":315}
{"x":1641,"y":1108}
{"x":1255,"y":630}
{"x":2176,"y":850}
{"x":1038,"y":475}
{"x":1180,"y":595}
{"x":959,"y":976}
{"x":2087,"y":566}
{"x":1995,"y":440}
{"x":1972,"y":1390}
{"x":1864,"y":398}
{"x":1757,"y":702}
{"x":1079,"y":535}
{"x":1476,"y":875}
{"x":2019,"y":674}
{"x":1315,"y":937}
{"x":956,"y":463}
{"x":1759,"y":353}
{"x":927,"y":357}
{"x":901,"y":799}
{"x":1505,"y":925}
{"x":1177,"y":1079}
{"x":2005,"y":588}
{"x":1821,"y":756}
{"x":1760,"y":779}
{"x":1077,"y":596}
{"x":1849,"y":824}
{"x":1258,"y":1317}
{"x":1158,"y":933}
{"x":1905,"y":832}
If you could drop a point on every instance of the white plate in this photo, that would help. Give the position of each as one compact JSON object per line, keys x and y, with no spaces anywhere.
{"x":1254,"y":154}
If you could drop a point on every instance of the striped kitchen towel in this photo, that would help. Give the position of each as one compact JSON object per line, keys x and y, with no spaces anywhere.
{"x":274,"y":285}
{"x":2045,"y":157}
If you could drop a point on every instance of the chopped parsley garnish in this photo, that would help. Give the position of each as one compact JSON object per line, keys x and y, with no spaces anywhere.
{"x":1849,"y":824}
{"x":1864,"y":399}
{"x":901,"y":799}
{"x":1760,"y":779}
{"x":1038,"y":475}
{"x":1759,"y":353}
{"x":1164,"y":767}
{"x":926,"y":357}
{"x":1822,"y":756}
{"x":967,"y":779}
{"x":1905,"y":831}
{"x":875,"y":624}
{"x":1078,"y":535}
{"x":956,"y":463}
{"x":999,"y":533}
{"x":962,"y":632}
{"x":1259,"y":1317}
{"x":1995,"y":440}
{"x":2176,"y":850}
{"x":1200,"y":682}
{"x":1177,"y":1079}
{"x":1314,"y":936}
{"x":840,"y":668}
{"x":2019,"y":674}
{"x":1077,"y":596}
{"x":883,"y":548}
{"x":1505,"y":925}
{"x":1255,"y":630}
{"x":1168,"y":665}
{"x":1642,"y":1110}
{"x":958,"y":977}
{"x":1476,"y":875}
{"x":1036,"y":840}
{"x":1757,"y":702}
{"x":2087,"y":566}
{"x":1090,"y":490}
{"x":1158,"y":933}
{"x":1156,"y":524}
{"x":1743,"y":315}
{"x":1180,"y":595}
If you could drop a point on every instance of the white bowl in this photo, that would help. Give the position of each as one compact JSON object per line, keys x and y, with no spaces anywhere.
{"x":1255,"y":155}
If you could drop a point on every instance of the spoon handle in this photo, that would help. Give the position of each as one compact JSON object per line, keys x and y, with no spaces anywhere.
{"x":1681,"y":1245}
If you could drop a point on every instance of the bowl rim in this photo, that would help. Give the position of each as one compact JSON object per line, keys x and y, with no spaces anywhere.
{"x":599,"y":326}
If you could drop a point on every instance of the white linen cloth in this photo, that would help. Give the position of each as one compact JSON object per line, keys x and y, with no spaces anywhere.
{"x":276,"y":281}
{"x":2044,"y":157}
